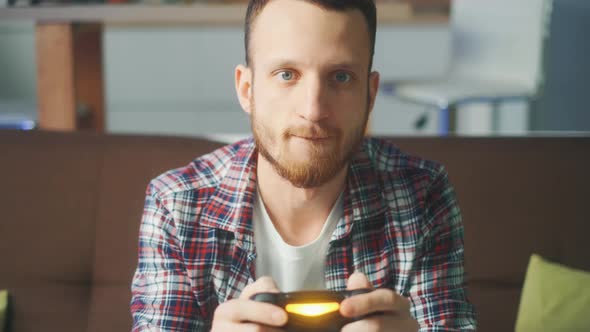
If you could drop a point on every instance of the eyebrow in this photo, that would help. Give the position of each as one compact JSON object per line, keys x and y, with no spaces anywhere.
{"x":282,"y":63}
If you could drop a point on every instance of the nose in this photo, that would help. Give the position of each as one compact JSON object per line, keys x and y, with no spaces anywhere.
{"x":315,"y":97}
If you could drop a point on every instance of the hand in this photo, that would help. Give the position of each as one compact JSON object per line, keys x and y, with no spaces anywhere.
{"x":243,"y":314}
{"x":395,"y":308}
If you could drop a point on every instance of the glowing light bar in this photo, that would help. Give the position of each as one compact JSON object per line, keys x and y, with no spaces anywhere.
{"x":312,"y":309}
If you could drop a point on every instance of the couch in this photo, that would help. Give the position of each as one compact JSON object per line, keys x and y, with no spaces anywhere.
{"x":71,"y":205}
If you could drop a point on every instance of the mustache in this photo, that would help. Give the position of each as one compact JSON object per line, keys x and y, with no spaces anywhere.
{"x":314,"y":131}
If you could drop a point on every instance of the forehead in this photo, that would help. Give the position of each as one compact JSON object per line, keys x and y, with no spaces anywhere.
{"x":306,"y":33}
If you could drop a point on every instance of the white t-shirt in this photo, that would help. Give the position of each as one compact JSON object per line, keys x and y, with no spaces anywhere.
{"x":293,"y":268}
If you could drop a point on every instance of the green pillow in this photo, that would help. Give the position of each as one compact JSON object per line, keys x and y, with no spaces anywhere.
{"x":554,"y":298}
{"x":3,"y":308}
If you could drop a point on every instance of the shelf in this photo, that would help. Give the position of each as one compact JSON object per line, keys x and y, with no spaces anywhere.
{"x":195,"y":14}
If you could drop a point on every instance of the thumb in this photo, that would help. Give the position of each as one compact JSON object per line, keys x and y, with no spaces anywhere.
{"x":358,"y":280}
{"x":262,"y":285}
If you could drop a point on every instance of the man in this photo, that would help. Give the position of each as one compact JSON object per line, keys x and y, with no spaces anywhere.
{"x":308,"y":203}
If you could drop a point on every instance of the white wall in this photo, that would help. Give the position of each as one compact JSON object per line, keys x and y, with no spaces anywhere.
{"x":17,"y":61}
{"x":180,"y":80}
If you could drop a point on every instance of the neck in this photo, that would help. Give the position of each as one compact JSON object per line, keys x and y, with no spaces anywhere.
{"x":298,"y":214}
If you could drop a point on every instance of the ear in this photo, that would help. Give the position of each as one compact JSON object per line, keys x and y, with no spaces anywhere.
{"x":243,"y":81}
{"x":373,"y":88}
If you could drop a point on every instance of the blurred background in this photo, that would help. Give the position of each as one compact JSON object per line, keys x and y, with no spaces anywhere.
{"x":463,"y":67}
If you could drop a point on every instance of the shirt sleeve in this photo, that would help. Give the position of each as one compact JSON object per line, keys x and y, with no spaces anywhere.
{"x":437,"y":292}
{"x":162,"y":296}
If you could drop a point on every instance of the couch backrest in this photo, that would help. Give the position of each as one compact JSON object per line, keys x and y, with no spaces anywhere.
{"x":129,"y":163}
{"x":71,"y":207}
{"x":517,"y":196}
{"x":72,"y":204}
{"x":47,"y":225}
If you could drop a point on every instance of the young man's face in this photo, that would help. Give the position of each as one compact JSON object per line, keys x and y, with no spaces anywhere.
{"x":311,"y":89}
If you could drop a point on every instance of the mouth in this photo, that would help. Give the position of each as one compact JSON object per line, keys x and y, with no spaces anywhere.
{"x":314,"y":138}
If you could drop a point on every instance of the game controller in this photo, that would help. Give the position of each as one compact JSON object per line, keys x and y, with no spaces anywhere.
{"x":312,"y":310}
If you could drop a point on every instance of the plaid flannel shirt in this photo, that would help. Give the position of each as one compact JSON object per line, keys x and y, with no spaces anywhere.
{"x":401,"y":227}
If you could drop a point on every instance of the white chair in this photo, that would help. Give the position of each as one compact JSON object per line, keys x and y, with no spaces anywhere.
{"x":497,"y":51}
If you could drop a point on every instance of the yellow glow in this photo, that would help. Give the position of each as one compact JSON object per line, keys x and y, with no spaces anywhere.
{"x":312,"y":309}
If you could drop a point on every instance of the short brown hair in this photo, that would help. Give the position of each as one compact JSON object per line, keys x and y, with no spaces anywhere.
{"x":367,"y":8}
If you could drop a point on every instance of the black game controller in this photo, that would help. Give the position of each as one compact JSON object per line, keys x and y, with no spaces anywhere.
{"x":312,"y":310}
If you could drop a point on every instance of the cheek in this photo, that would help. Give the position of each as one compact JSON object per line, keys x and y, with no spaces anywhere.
{"x":272,"y":113}
{"x":352,"y":114}
{"x":350,"y":99}
{"x":267,"y":122}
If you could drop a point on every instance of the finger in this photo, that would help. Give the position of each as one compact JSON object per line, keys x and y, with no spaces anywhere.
{"x":382,"y":323}
{"x":253,"y":327}
{"x":383,"y":300}
{"x":239,"y":311}
{"x":358,"y":280}
{"x":262,"y":285}
{"x":245,"y":327}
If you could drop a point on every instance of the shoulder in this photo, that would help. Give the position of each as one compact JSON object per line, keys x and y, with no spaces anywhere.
{"x":201,"y":174}
{"x":389,"y":161}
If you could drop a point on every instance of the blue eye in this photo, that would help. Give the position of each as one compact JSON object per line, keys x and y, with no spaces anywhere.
{"x":286,"y":75}
{"x":342,"y":77}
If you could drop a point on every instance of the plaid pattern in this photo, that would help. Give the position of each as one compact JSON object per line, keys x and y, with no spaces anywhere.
{"x":401,"y":227}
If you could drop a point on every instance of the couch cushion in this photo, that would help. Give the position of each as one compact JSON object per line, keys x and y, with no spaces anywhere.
{"x":3,"y":309}
{"x":56,"y":306}
{"x":554,"y":298}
